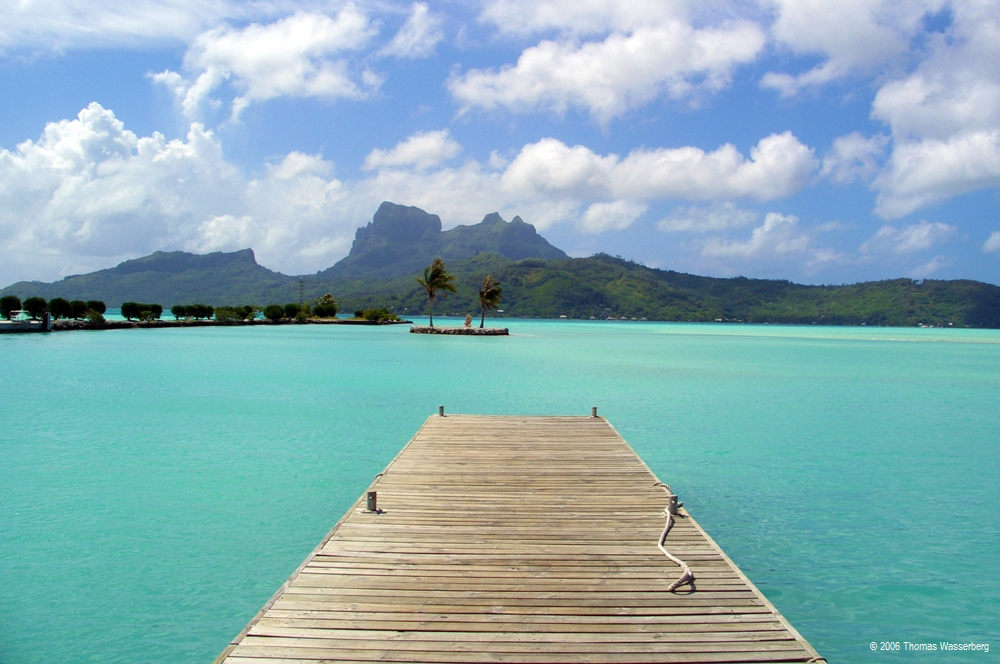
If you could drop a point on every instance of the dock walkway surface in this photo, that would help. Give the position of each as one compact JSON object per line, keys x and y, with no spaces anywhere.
{"x":516,"y":539}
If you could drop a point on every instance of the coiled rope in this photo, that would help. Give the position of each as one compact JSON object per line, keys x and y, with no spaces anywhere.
{"x":687,"y":576}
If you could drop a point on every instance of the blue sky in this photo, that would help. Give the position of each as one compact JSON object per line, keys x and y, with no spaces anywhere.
{"x":821,"y":141}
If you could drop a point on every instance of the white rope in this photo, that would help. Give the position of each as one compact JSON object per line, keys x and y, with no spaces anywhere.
{"x":688,"y":575}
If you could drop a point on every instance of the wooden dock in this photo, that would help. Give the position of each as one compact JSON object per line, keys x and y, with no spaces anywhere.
{"x":515,"y":539}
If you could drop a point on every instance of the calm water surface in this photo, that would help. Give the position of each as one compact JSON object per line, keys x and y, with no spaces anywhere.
{"x":157,"y":486}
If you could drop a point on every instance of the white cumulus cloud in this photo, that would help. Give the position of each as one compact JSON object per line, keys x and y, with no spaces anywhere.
{"x":779,"y":165}
{"x":422,"y":150}
{"x":89,"y":190}
{"x":296,"y":56}
{"x":616,"y":215}
{"x":89,"y":193}
{"x":945,"y":116}
{"x":778,"y":235}
{"x":852,"y":36}
{"x":609,"y":77}
{"x":716,"y":217}
{"x":551,"y":166}
{"x":927,"y":171}
{"x":418,"y":36}
{"x":60,"y":24}
{"x":992,"y":242}
{"x":854,"y":157}
{"x":580,"y":17}
{"x":930,"y":267}
{"x":914,"y":238}
{"x":295,"y":216}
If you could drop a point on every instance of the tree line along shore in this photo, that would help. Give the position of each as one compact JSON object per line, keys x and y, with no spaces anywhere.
{"x":80,"y":314}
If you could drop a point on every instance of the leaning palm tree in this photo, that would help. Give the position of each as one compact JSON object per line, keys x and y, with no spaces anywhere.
{"x":490,"y":295}
{"x":436,"y":278}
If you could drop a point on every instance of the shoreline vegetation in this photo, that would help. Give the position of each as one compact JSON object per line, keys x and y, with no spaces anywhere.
{"x":64,"y":325}
{"x":59,"y":315}
{"x":69,"y":325}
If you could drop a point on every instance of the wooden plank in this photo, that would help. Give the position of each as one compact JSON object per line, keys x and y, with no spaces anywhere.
{"x":515,"y":539}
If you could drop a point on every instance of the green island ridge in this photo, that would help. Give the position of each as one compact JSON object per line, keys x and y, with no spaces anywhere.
{"x":538,"y":280}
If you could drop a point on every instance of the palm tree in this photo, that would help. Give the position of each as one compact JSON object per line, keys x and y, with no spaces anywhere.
{"x":490,"y":295}
{"x":436,"y":278}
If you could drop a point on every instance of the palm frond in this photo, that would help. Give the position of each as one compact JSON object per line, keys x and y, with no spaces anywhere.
{"x":490,"y":293}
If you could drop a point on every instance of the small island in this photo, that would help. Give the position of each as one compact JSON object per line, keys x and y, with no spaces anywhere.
{"x":468,"y":331}
{"x":437,"y":278}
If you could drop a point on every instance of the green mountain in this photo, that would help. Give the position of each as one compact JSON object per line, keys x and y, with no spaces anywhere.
{"x":398,"y":241}
{"x":403,"y":240}
{"x":602,"y":286}
{"x":537,"y":280}
{"x":174,"y":277}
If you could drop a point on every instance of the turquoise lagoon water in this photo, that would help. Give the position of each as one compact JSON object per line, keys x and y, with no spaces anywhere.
{"x":157,"y":486}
